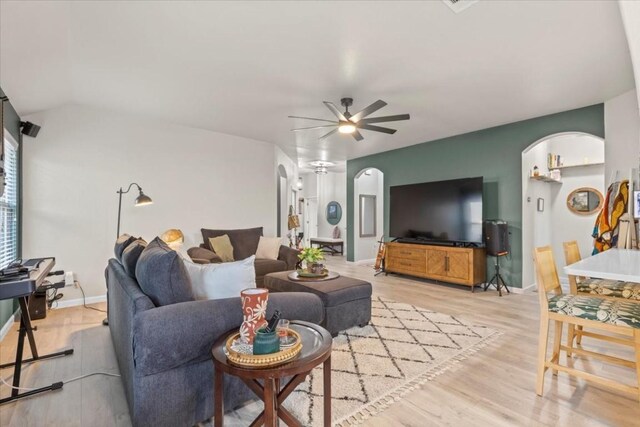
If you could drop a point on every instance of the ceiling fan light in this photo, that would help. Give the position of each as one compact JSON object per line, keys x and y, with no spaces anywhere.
{"x":346,"y":128}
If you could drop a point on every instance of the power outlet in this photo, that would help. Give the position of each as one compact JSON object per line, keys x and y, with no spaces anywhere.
{"x":69,"y":280}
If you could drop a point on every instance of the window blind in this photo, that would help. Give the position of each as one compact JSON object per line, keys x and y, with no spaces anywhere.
{"x":8,"y":207}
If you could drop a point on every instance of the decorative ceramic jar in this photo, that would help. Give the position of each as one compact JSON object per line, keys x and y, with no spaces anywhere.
{"x":315,"y":268}
{"x":254,"y":309}
{"x":266,"y":342}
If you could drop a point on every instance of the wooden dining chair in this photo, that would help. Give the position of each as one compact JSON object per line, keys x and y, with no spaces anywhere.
{"x":601,"y":287}
{"x":608,"y":315}
{"x":593,"y":286}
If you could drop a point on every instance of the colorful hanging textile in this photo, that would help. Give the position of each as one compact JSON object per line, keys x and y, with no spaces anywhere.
{"x":615,"y":205}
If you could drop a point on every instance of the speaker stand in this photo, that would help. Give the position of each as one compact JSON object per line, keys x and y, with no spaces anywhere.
{"x":497,"y":279}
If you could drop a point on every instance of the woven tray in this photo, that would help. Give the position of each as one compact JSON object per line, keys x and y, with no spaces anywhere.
{"x":262,"y":360}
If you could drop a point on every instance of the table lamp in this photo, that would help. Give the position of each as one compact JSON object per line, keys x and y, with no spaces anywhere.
{"x":293,"y":222}
{"x":173,"y":237}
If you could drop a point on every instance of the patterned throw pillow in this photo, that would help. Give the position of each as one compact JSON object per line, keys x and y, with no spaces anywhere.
{"x":222,"y":246}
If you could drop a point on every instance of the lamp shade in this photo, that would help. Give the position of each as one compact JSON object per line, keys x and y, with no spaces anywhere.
{"x":143,"y":199}
{"x":173,"y":235}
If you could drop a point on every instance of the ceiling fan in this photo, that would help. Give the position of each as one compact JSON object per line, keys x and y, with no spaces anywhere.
{"x":348,"y":123}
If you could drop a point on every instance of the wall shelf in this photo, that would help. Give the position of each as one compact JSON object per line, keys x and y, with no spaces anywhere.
{"x":545,"y":178}
{"x":577,"y":166}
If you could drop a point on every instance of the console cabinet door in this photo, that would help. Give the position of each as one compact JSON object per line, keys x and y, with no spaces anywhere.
{"x":437,"y":262}
{"x":458,"y":265}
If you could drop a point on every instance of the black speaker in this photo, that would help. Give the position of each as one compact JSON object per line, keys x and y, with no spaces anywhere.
{"x":30,"y":129}
{"x":496,"y":237}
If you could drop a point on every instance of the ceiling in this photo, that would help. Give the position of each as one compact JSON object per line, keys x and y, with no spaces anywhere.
{"x":243,"y":67}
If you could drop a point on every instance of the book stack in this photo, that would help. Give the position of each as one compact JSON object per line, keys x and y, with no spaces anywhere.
{"x":554,"y":160}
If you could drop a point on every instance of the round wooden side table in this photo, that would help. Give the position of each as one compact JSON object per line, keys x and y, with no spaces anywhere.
{"x":316,"y":349}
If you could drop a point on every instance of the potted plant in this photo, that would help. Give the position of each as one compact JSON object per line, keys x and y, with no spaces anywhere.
{"x":311,"y":256}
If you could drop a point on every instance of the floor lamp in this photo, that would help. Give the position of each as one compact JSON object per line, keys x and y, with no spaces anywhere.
{"x":141,"y":200}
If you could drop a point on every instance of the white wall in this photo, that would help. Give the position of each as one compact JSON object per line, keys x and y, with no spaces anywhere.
{"x":370,"y":183}
{"x":622,"y":132}
{"x":536,"y":230}
{"x":630,"y":12}
{"x":332,"y":187}
{"x":557,"y":224}
{"x":290,"y":183}
{"x":81,"y":157}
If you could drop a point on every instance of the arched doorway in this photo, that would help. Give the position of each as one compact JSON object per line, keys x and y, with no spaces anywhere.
{"x":546,"y":219}
{"x":282,"y":191}
{"x":368,"y":221}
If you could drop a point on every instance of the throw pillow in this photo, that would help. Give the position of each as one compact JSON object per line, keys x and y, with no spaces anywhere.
{"x":217,"y":281}
{"x":131,"y":255}
{"x":222,"y":246}
{"x":268,"y":247}
{"x":244,"y":241}
{"x":122,"y":242}
{"x":203,"y":256}
{"x":162,"y":275}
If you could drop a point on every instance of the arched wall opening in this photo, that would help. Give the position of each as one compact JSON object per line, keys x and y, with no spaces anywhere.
{"x":546,"y":218}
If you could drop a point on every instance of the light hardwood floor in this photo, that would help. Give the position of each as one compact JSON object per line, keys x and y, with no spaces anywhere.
{"x":493,"y":388}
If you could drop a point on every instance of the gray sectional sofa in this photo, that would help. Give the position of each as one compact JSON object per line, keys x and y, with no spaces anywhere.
{"x":163,"y":337}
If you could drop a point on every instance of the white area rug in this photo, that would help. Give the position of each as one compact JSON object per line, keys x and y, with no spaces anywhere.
{"x":372,"y":367}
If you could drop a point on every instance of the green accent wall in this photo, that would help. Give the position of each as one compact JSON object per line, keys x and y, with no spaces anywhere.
{"x":494,"y":153}
{"x":12,"y":125}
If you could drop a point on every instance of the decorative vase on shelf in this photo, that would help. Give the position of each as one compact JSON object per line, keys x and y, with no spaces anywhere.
{"x":254,"y":309}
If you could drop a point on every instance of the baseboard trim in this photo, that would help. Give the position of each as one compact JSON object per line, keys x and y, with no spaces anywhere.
{"x":524,"y":290}
{"x":365,"y":261}
{"x":7,"y":326}
{"x":79,"y":301}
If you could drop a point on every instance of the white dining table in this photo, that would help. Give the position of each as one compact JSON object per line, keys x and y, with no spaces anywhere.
{"x":614,"y":264}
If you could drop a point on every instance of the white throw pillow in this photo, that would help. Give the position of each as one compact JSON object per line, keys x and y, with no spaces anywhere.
{"x":268,"y":247}
{"x":223,"y":280}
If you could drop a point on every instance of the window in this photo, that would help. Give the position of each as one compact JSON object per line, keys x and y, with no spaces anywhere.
{"x":9,"y":207}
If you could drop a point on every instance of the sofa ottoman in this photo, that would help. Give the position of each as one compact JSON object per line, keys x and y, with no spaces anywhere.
{"x":347,"y":301}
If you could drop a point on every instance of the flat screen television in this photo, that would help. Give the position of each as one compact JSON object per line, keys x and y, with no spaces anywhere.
{"x":442,"y":211}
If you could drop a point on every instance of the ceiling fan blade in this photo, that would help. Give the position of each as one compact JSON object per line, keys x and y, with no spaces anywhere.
{"x":314,"y":127}
{"x":331,"y":106}
{"x":329,"y":134}
{"x":376,"y":128}
{"x":311,"y":118}
{"x":395,"y":118}
{"x":367,"y":110}
{"x":357,"y":136}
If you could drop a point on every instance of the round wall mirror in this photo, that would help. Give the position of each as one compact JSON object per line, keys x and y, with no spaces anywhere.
{"x":334,"y":213}
{"x":585,"y":201}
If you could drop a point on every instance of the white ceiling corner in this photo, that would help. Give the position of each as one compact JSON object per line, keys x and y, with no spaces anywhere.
{"x":243,"y":67}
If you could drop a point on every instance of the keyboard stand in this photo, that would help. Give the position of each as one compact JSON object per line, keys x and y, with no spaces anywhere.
{"x":26,"y":330}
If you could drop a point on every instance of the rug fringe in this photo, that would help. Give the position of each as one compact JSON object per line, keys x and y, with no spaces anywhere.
{"x":383,"y":402}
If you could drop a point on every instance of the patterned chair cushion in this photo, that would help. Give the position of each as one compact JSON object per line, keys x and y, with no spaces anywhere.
{"x":610,"y":288}
{"x":619,"y":313}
